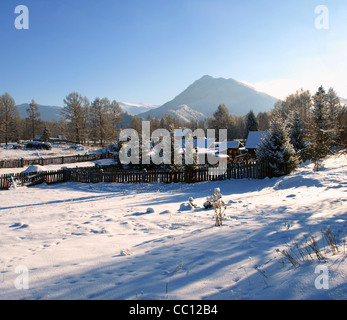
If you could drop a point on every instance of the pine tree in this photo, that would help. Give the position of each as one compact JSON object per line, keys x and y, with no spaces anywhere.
{"x":277,"y":151}
{"x":297,"y":132}
{"x":251,"y":122}
{"x":321,"y":134}
{"x":222,"y":120}
{"x":334,"y":108}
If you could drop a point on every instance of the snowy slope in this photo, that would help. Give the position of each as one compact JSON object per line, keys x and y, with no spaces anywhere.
{"x":136,"y":108}
{"x":186,"y":114}
{"x":111,"y":241}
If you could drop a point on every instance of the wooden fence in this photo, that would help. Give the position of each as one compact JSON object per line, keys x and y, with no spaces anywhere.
{"x":20,"y":163}
{"x":252,"y":170}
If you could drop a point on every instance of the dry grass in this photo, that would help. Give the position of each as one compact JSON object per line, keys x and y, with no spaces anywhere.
{"x":311,"y":248}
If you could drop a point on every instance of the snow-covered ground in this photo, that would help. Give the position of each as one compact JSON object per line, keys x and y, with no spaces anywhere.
{"x":112,"y":241}
{"x":56,"y":167}
{"x":56,"y":151}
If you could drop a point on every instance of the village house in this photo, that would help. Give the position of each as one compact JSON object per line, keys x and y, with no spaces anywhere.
{"x":253,"y":140}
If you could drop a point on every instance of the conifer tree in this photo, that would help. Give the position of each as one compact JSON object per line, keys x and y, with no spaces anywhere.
{"x":321,"y":134}
{"x":277,"y":151}
{"x":222,"y":120}
{"x":251,"y":122}
{"x":297,"y":132}
{"x":333,"y":110}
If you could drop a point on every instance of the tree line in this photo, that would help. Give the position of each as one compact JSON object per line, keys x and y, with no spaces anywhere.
{"x":237,"y":126}
{"x":101,"y":120}
{"x":304,"y":127}
{"x":81,"y":120}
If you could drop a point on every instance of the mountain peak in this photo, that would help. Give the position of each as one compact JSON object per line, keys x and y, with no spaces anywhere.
{"x":207,"y":93}
{"x":206,"y":77}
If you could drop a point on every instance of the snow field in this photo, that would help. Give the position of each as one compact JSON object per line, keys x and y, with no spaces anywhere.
{"x":112,"y":241}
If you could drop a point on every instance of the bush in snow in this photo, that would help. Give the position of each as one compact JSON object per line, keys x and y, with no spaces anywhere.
{"x":215,"y":201}
{"x":77,"y":147}
{"x":192,"y":204}
{"x":209,"y":203}
{"x":38,"y":145}
{"x":276,"y":150}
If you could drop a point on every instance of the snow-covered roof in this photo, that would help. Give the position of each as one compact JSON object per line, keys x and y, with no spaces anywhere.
{"x":254,"y":139}
{"x":34,"y":168}
{"x":228,"y":145}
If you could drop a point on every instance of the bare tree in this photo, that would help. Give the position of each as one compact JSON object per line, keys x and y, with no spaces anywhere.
{"x":75,"y":112}
{"x":8,"y":118}
{"x":33,"y":116}
{"x":103,"y":119}
{"x":116,"y":117}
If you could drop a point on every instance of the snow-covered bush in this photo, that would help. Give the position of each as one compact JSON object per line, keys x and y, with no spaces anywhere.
{"x":185,"y":207}
{"x":209,"y":203}
{"x":191,"y":203}
{"x":215,"y":201}
{"x":77,"y":147}
{"x":37,"y":145}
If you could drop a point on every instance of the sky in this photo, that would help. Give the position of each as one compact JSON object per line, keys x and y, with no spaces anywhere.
{"x":150,"y":51}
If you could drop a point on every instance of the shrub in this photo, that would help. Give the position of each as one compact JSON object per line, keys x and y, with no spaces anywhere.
{"x":192,"y":204}
{"x":215,"y":201}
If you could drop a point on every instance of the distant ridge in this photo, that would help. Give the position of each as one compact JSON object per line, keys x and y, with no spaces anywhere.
{"x":199,"y":101}
{"x":136,"y":108}
{"x":47,"y":113}
{"x":207,"y":93}
{"x":53,"y":113}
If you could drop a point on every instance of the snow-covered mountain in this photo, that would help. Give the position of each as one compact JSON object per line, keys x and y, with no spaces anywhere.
{"x":207,"y":93}
{"x":136,"y":108}
{"x":186,"y":114}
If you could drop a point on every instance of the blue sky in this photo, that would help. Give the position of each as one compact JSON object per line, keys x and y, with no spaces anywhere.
{"x":150,"y":51}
